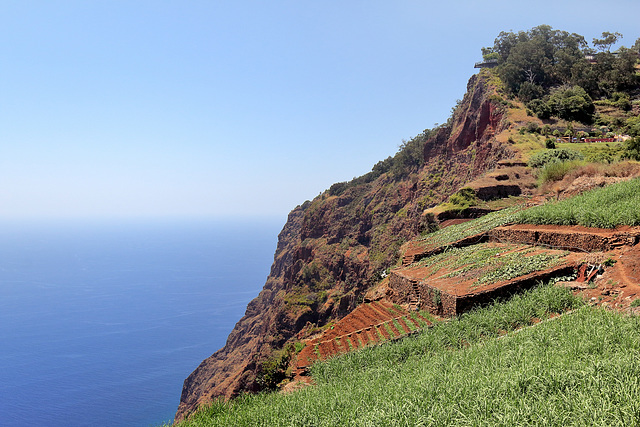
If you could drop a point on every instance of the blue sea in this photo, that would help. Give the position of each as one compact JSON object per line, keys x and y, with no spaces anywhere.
{"x":101,"y":322}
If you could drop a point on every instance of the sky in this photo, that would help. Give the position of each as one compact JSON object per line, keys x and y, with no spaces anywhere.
{"x":219,"y":109}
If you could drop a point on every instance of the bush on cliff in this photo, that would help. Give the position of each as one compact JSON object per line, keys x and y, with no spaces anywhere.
{"x":571,"y":103}
{"x":409,"y":158}
{"x":552,"y":156}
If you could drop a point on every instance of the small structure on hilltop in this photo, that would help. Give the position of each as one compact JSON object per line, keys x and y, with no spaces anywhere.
{"x":487,"y":63}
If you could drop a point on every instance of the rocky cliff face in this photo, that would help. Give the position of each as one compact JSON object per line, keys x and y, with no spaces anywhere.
{"x":332,"y":249}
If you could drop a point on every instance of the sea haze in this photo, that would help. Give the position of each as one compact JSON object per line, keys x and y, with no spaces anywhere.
{"x":101,"y":322}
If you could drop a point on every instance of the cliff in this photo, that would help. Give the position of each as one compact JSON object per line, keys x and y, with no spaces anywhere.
{"x":334,"y":248}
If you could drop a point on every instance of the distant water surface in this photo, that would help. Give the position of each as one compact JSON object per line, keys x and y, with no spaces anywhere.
{"x":100,"y":322}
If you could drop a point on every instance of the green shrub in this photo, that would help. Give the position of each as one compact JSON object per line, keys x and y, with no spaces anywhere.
{"x":529,"y":91}
{"x":622,"y":100}
{"x":532,"y":127}
{"x":572,"y":103}
{"x":555,"y":171}
{"x":464,"y":198}
{"x":554,"y":155}
{"x":632,"y":126}
{"x":274,"y":369}
{"x":632,"y":148}
{"x":540,"y":108}
{"x":436,"y":297}
{"x":338,"y":188}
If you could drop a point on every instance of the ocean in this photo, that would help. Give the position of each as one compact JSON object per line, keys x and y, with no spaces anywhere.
{"x":101,"y":322}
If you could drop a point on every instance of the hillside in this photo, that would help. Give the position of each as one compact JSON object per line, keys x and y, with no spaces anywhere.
{"x":351,"y":265}
{"x":577,"y":369}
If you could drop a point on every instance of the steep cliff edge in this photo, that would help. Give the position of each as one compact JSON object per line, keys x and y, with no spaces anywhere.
{"x":332,"y":249}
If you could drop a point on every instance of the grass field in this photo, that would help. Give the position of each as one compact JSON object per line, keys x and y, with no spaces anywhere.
{"x":580,"y":369}
{"x":480,"y":225}
{"x":608,"y":207}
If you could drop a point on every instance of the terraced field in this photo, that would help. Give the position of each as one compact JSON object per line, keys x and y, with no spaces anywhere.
{"x":370,"y":323}
{"x":456,"y":235}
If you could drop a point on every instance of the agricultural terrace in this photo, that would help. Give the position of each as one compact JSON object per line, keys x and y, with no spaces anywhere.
{"x":485,"y":264}
{"x":454,"y":233}
{"x":607,"y":207}
{"x":578,"y":369}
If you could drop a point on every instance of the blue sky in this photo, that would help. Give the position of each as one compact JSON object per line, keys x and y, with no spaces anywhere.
{"x":234,"y":108}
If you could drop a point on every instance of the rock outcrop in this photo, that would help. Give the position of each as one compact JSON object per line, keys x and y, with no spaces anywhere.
{"x":332,"y":249}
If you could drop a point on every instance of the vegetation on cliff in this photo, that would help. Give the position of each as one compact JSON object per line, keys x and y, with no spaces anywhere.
{"x":454,"y":233}
{"x":548,"y":84}
{"x":342,"y":242}
{"x":557,"y":73}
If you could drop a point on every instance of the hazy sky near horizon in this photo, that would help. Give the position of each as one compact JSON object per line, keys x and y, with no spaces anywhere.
{"x":234,"y":108}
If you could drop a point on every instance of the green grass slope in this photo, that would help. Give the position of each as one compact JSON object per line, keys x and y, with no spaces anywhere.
{"x":580,"y":369}
{"x":607,"y":207}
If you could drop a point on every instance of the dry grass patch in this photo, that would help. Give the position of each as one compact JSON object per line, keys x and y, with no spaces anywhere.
{"x":588,"y":176}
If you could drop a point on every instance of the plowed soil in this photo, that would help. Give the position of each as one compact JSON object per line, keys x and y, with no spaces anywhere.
{"x":466,"y":284}
{"x":368,"y":324}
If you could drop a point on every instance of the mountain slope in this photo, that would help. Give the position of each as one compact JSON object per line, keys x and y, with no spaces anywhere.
{"x":332,"y":249}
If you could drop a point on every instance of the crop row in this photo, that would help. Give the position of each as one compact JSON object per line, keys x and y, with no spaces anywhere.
{"x":458,"y":232}
{"x":608,"y":207}
{"x":487,"y":263}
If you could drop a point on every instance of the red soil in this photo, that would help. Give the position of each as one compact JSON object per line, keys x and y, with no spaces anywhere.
{"x":571,"y":237}
{"x":366,"y":325}
{"x":463,"y":285}
{"x":619,"y":285}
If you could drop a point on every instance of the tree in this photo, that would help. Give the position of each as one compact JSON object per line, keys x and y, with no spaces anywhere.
{"x":633,"y":126}
{"x":534,"y":63}
{"x":632,"y":148}
{"x":505,"y":41}
{"x":541,"y":56}
{"x":488,"y":55}
{"x":572,"y":103}
{"x":530,"y":91}
{"x":540,"y":108}
{"x":570,"y":129}
{"x":608,"y":39}
{"x":586,"y":76}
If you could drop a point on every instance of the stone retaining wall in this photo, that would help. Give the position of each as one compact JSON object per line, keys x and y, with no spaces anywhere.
{"x":441,"y":303}
{"x":566,"y":238}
